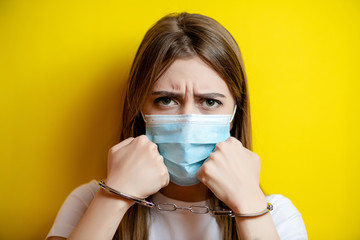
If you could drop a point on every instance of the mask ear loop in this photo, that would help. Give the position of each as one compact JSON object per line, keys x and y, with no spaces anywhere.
{"x":233,"y":114}
{"x":143,"y":116}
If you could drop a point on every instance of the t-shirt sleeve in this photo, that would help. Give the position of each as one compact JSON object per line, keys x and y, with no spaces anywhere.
{"x":73,"y":209}
{"x":288,"y":220}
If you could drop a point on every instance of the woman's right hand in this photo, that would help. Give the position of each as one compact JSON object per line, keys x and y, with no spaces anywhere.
{"x":135,"y":167}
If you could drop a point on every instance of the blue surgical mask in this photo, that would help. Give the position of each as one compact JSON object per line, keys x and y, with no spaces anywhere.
{"x":186,"y":141}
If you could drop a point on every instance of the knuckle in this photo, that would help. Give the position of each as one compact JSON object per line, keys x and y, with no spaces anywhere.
{"x":165,"y":183}
{"x":163,"y":170}
{"x":212,"y":156}
{"x":234,"y":140}
{"x":204,"y":180}
{"x":142,"y":139}
{"x":160,"y":158}
{"x":155,"y":159}
{"x":167,"y":179}
{"x":152,"y":147}
{"x":220,"y":146}
{"x":215,"y":157}
{"x":205,"y":169}
{"x":165,"y":176}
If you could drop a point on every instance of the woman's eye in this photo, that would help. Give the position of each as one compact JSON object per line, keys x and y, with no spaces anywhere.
{"x":212,"y":102}
{"x":164,"y":101}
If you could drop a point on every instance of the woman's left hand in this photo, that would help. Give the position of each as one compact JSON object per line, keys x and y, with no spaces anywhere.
{"x":232,"y":173}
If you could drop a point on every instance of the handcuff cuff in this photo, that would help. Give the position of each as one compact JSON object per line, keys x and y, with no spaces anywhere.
{"x":173,"y":207}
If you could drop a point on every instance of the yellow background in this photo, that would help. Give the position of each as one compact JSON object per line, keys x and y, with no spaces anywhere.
{"x":63,"y":65}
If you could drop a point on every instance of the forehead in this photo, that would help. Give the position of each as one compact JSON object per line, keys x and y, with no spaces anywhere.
{"x":192,"y":73}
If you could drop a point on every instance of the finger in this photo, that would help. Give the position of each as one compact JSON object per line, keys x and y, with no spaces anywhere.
{"x":167,"y":178}
{"x":121,"y":144}
{"x":221,"y":146}
{"x":234,"y":141}
{"x":203,"y":173}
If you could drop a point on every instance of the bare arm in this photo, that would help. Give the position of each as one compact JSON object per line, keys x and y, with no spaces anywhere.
{"x":261,"y":227}
{"x":102,"y":218}
{"x":135,"y":167}
{"x":232,"y":173}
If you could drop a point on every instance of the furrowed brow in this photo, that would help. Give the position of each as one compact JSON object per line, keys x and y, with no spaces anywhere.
{"x":168,"y":94}
{"x":210,"y":95}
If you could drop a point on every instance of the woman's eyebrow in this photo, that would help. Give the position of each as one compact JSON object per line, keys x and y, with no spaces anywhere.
{"x":210,"y":95}
{"x":168,"y":94}
{"x":179,"y":95}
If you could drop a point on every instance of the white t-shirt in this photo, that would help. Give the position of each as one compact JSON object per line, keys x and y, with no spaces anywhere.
{"x":177,"y":225}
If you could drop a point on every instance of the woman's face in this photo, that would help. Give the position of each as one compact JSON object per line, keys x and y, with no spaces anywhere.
{"x":189,"y":86}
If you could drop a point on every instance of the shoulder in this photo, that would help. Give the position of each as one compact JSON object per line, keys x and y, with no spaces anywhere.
{"x":81,"y":197}
{"x":73,"y":209}
{"x":287,"y":218}
{"x":86,"y":191}
{"x":282,"y":206}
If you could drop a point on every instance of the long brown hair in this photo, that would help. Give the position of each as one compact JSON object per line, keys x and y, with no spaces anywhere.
{"x":177,"y":36}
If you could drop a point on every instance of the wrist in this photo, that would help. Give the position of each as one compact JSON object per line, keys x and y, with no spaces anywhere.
{"x":250,"y":202}
{"x":112,"y":199}
{"x":126,"y":196}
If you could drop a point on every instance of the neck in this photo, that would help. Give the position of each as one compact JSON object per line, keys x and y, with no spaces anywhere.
{"x":195,"y":193}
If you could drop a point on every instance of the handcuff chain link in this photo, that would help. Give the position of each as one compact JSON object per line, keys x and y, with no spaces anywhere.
{"x":170,"y":207}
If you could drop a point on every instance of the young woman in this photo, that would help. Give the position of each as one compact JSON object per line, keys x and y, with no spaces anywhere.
{"x":185,"y":148}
